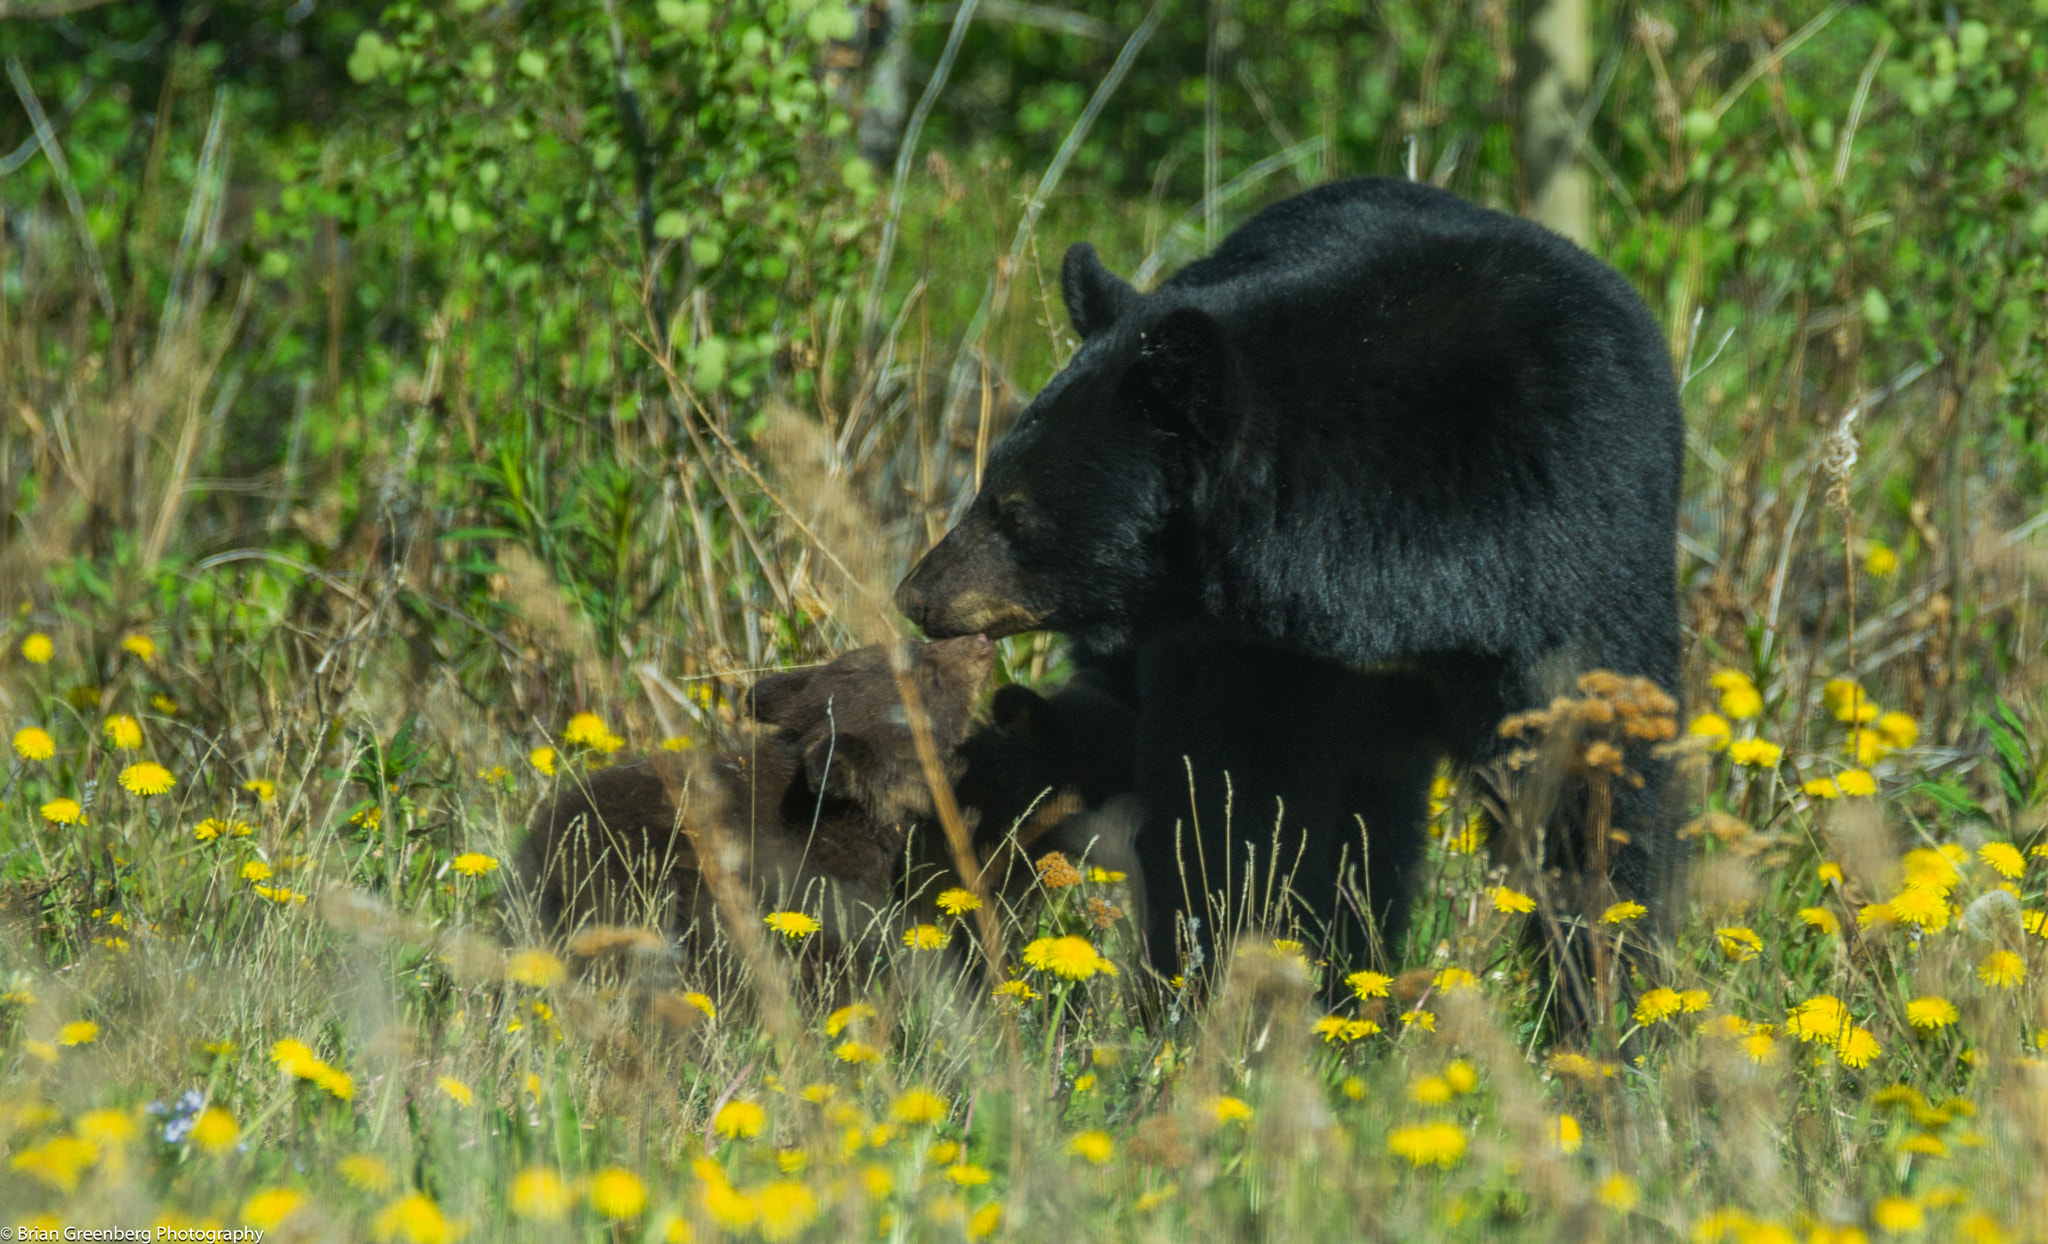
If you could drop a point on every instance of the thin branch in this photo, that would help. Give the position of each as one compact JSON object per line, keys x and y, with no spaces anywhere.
{"x":11,"y":11}
{"x":906,"y":150}
{"x":62,"y":169}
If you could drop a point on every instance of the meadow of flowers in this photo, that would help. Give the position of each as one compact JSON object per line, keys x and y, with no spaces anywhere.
{"x":271,"y":975}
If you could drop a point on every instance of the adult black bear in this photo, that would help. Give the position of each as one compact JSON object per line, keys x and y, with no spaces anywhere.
{"x":1332,"y":501}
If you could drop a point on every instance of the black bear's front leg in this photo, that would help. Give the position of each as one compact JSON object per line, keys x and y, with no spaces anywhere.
{"x":1269,"y":778}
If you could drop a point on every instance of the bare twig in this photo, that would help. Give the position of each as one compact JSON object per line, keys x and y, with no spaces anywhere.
{"x":62,"y":169}
{"x":906,"y":149}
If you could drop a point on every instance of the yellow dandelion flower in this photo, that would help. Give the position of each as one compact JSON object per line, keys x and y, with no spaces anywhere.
{"x":543,"y":759}
{"x":34,"y":743}
{"x":678,"y":743}
{"x":534,"y":967}
{"x":264,"y":789}
{"x":1618,"y":1193}
{"x":147,"y":778}
{"x":1739,"y":944}
{"x":1830,"y":871}
{"x":1847,"y":701}
{"x":1760,"y":1047}
{"x":1623,"y":912}
{"x":1693,"y":1001}
{"x":1455,"y":980}
{"x":727,"y":1206}
{"x":78,"y":1032}
{"x":1924,"y":905}
{"x":617,"y":1193}
{"x":1462,"y":1076}
{"x":1096,"y":1147}
{"x":1866,"y":745}
{"x":739,"y":1120}
{"x":1074,"y":958}
{"x":1856,"y":783}
{"x":957,"y":902}
{"x":2002,"y":969}
{"x":792,"y":924}
{"x":1155,"y":1198}
{"x":37,"y":649}
{"x":1425,"y":1020}
{"x":221,"y":827}
{"x":414,"y":1219}
{"x":63,"y":812}
{"x":1369,"y":984}
{"x":1431,"y":1144}
{"x":1755,"y":753}
{"x":584,"y":729}
{"x":165,"y":705}
{"x":265,"y":1210}
{"x":858,"y":1053}
{"x":703,"y":1003}
{"x":1930,"y":1013}
{"x":846,"y":1016}
{"x":1897,"y":731}
{"x":139,"y":644}
{"x":1225,"y":1109}
{"x":1879,"y":562}
{"x":2004,"y":858}
{"x":1511,"y":901}
{"x":1921,"y":1142}
{"x":365,"y":1172}
{"x":1656,"y":1005}
{"x":1430,"y":1091}
{"x":1568,"y":1134}
{"x":1821,"y":788}
{"x":1353,"y":1087}
{"x":473,"y":864}
{"x":926,"y":937}
{"x":1739,"y":697}
{"x":967,"y":1174}
{"x":1819,"y":1018}
{"x":1820,"y":918}
{"x":1857,"y":1047}
{"x":783,"y":1209}
{"x":1016,"y":991}
{"x":106,"y":1128}
{"x":215,"y":1129}
{"x":1712,"y":727}
{"x":455,"y":1090}
{"x":57,"y":1161}
{"x":1896,"y":1215}
{"x":983,"y":1222}
{"x":918,"y":1105}
{"x":538,"y":1192}
{"x":256,"y":870}
{"x":123,"y":732}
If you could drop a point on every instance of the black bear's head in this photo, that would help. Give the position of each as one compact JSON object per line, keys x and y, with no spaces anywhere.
{"x":848,"y":724}
{"x":1069,"y":528}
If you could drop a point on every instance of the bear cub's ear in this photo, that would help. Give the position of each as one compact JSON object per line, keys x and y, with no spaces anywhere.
{"x":1094,"y":295}
{"x":1015,"y":707}
{"x":1182,"y":377}
{"x":775,"y":699}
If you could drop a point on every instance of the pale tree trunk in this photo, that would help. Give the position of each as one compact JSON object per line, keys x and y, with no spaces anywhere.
{"x":1552,"y":72}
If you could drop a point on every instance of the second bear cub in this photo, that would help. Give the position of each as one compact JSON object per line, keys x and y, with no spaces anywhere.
{"x":817,"y":811}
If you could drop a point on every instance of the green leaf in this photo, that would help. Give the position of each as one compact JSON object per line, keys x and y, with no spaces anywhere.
{"x":1876,"y":308}
{"x":670,"y":225}
{"x":274,"y":266}
{"x":532,"y":63}
{"x":368,"y":59}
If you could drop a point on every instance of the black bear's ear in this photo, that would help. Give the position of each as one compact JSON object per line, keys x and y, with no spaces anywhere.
{"x":1095,"y":296}
{"x":1015,"y":705}
{"x":772,"y":698}
{"x":1182,"y":376}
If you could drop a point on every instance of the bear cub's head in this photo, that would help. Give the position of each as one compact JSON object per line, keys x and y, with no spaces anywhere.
{"x":849,"y":725}
{"x":1068,"y":530}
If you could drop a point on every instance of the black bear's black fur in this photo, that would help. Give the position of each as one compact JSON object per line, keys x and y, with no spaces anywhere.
{"x":1329,"y":503}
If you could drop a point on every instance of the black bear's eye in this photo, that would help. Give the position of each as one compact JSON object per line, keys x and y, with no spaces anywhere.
{"x":1016,"y":515}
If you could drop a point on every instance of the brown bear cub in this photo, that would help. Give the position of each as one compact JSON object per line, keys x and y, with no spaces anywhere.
{"x":816,"y":812}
